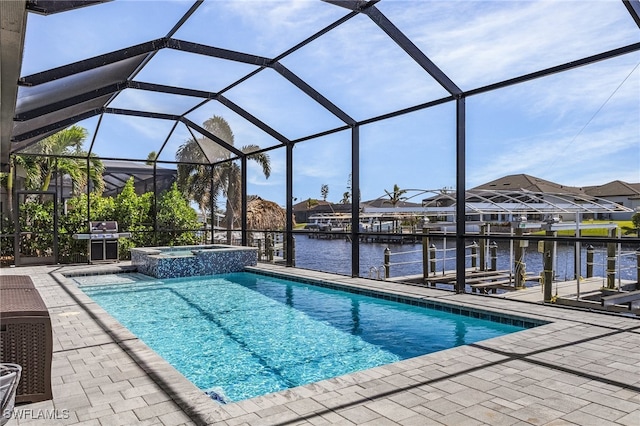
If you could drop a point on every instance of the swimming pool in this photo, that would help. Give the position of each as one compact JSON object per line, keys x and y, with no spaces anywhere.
{"x":243,"y":334}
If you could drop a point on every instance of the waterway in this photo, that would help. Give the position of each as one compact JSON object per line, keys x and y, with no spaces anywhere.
{"x":335,"y":256}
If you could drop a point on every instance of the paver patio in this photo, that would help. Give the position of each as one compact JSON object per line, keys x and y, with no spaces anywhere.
{"x":582,"y":368}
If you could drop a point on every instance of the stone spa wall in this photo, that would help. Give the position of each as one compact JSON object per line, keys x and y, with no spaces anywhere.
{"x":189,"y":261}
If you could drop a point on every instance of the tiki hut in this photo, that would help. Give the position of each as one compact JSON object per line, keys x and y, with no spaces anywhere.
{"x":265,"y":215}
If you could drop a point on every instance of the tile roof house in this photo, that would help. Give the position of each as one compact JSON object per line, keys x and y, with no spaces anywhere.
{"x":623,"y":193}
{"x":619,"y":192}
{"x":306,"y":208}
{"x":530,"y":183}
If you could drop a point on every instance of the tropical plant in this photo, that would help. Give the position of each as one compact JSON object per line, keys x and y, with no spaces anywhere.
{"x":176,"y":220}
{"x":61,"y":152}
{"x":130,"y":209}
{"x":635,"y":228}
{"x":311,"y":202}
{"x":36,"y":225}
{"x":396,"y":196}
{"x":324,"y":191}
{"x":195,"y":177}
{"x":346,"y":197}
{"x":230,"y":174}
{"x":74,"y":221}
{"x":151,"y":158}
{"x":202,"y":182}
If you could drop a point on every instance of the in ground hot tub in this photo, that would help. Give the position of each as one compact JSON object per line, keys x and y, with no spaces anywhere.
{"x":190,"y":261}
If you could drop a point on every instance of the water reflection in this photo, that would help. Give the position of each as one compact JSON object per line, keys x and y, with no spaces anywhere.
{"x":355,"y":317}
{"x":461,"y":333}
{"x":335,"y":256}
{"x":289,"y":296}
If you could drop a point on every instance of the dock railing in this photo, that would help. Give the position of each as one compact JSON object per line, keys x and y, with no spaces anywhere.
{"x":435,"y":261}
{"x":271,"y":246}
{"x":612,"y":265}
{"x":387,"y":259}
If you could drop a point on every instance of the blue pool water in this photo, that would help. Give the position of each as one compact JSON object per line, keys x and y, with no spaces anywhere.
{"x":246,"y":334}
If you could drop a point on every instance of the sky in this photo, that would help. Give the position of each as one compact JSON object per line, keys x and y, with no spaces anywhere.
{"x":576,"y":128}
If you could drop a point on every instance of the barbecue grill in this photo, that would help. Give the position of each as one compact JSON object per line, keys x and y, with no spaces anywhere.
{"x":103,"y":240}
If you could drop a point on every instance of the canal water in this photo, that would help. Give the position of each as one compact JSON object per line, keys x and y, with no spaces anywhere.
{"x":335,"y":256}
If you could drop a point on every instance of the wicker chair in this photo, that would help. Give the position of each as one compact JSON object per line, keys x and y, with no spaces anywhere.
{"x":9,"y":379}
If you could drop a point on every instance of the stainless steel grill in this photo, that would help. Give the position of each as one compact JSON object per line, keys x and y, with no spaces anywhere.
{"x":103,"y":240}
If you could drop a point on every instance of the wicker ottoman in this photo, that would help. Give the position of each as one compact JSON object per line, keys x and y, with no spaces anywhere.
{"x":26,"y":339}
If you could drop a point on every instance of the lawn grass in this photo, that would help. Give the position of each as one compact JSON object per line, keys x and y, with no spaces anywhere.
{"x":596,"y":232}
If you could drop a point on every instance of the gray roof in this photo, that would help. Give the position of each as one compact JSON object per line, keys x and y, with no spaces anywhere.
{"x":117,"y":173}
{"x":529,"y":183}
{"x":616,"y":188}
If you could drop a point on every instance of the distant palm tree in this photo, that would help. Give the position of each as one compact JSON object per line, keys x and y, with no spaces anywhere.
{"x":346,"y":197}
{"x":151,"y":158}
{"x":324,"y":191}
{"x":311,"y":202}
{"x":396,"y":196}
{"x":201,"y":182}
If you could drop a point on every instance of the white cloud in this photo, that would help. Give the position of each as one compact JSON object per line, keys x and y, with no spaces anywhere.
{"x":479,"y":43}
{"x":273,"y":26}
{"x":362,"y":71}
{"x":566,"y":159}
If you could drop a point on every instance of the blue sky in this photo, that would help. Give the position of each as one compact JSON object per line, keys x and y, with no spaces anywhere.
{"x":575,"y":128}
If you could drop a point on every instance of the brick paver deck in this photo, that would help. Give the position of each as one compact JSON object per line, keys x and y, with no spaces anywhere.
{"x":582,"y":368}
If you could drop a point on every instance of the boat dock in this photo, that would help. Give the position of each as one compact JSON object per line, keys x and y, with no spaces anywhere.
{"x":478,"y":281}
{"x":589,"y":293}
{"x":341,"y":234}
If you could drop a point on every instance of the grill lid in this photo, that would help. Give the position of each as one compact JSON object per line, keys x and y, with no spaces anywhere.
{"x":104,"y":226}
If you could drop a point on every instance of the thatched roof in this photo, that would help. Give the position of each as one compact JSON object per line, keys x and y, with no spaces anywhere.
{"x":265,"y":215}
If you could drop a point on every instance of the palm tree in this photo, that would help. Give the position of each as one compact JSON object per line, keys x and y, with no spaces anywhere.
{"x":61,"y":152}
{"x":93,"y":176}
{"x":202,"y":183}
{"x":230,"y":174}
{"x":346,"y":197}
{"x":6,"y":178}
{"x":324,"y":191}
{"x":311,"y":202}
{"x":396,"y":196}
{"x":195,"y":179}
{"x":151,"y":158}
